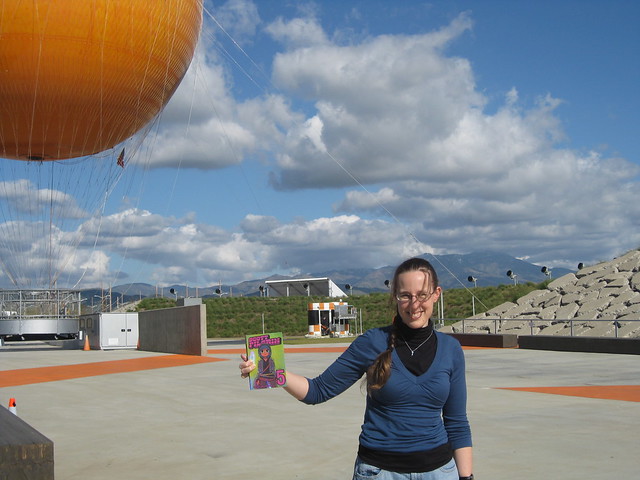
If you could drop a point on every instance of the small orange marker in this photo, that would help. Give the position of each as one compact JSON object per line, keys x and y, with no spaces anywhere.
{"x":86,"y":343}
{"x":12,"y":406}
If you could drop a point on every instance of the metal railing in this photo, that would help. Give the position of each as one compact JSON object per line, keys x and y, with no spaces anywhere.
{"x":538,"y":326}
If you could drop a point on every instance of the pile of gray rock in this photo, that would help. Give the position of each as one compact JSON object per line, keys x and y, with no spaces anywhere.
{"x":599,"y":300}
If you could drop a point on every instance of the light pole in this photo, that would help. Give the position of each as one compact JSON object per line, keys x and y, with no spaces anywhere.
{"x":103,"y":302}
{"x":512,"y":276}
{"x":473,"y":280}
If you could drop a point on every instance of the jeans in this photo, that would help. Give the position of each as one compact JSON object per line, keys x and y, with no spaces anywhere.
{"x":364,"y":471}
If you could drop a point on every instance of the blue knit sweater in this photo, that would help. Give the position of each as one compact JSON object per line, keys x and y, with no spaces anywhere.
{"x":410,"y":413}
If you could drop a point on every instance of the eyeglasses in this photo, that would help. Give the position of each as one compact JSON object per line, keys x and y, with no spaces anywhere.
{"x":407,"y":297}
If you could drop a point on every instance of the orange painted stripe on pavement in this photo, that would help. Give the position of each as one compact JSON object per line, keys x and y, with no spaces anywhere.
{"x":627,"y":393}
{"x":27,"y":376}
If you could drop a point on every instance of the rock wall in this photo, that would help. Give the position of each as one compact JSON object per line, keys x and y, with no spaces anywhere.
{"x":608,"y":292}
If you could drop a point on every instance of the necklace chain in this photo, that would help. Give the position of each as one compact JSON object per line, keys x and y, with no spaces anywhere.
{"x":413,"y":350}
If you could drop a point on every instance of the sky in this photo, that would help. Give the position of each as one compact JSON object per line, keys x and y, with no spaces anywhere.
{"x":312,"y":136}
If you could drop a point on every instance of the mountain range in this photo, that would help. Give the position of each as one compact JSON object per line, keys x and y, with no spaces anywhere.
{"x":454,"y":270}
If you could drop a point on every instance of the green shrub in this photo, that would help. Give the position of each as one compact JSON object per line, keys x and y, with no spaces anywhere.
{"x":155,"y":303}
{"x":239,"y":316}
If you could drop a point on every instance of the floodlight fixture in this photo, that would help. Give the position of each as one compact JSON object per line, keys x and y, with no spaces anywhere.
{"x":350,"y":288}
{"x":472,"y":279}
{"x":512,"y":276}
{"x":546,"y":271}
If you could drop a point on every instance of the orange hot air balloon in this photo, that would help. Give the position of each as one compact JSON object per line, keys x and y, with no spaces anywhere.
{"x":80,"y":76}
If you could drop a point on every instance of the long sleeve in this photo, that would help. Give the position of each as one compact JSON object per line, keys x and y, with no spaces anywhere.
{"x":347,"y":369}
{"x":454,"y":411}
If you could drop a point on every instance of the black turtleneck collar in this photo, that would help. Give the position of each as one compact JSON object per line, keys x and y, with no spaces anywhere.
{"x":413,"y":335}
{"x":423,"y":354}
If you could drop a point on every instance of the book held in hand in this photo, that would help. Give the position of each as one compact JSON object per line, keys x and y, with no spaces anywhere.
{"x":267,"y":352}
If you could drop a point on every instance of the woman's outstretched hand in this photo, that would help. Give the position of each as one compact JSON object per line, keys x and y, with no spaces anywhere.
{"x":297,"y":385}
{"x":245,"y":366}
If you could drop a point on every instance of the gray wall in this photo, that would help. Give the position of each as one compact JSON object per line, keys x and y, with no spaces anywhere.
{"x":486,"y":340}
{"x":629,"y":346}
{"x":181,"y":330}
{"x":25,"y":453}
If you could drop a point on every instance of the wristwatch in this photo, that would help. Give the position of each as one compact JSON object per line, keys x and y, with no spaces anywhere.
{"x":470,"y":477}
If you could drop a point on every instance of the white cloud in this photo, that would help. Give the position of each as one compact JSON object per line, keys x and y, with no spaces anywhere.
{"x":24,"y":197}
{"x":326,"y":243}
{"x":298,"y":32}
{"x":205,"y":127}
{"x":360,"y":200}
{"x":380,"y":103}
{"x":240,"y":19}
{"x":198,"y":254}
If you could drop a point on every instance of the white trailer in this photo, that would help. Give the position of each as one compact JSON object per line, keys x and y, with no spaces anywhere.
{"x":108,"y":330}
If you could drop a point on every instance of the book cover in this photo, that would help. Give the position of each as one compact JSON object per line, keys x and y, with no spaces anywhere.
{"x":267,"y":352}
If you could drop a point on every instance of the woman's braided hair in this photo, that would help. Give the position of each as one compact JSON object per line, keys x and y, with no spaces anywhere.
{"x":380,"y":370}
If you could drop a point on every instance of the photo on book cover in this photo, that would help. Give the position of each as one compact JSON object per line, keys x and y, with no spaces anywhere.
{"x":267,"y":352}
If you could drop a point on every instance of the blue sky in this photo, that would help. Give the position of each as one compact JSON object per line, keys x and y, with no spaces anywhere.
{"x":309,"y":136}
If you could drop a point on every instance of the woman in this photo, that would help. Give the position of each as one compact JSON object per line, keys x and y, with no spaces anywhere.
{"x":415,"y":419}
{"x":266,"y":369}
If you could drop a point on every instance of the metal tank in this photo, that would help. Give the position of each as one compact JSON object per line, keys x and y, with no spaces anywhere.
{"x":36,"y":313}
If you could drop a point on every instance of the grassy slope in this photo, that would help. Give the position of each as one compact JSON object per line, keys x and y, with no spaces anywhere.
{"x":237,"y":316}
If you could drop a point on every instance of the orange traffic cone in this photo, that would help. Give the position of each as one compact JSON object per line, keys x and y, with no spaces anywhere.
{"x":86,"y":343}
{"x":12,"y":406}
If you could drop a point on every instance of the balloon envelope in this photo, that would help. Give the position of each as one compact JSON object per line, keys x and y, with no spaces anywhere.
{"x":80,"y":76}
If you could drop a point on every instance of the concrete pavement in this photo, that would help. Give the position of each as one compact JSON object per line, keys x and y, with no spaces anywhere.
{"x":200,"y":421}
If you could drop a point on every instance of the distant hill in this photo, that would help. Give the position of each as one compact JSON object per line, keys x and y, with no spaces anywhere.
{"x":489,"y":268}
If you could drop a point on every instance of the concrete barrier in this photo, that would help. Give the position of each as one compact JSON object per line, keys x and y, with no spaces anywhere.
{"x":181,"y":330}
{"x":580,"y":344}
{"x":486,"y":340}
{"x":25,"y":454}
